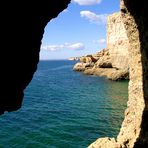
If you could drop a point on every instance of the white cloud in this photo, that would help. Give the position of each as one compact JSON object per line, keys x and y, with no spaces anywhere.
{"x":87,"y":2}
{"x":75,"y":46}
{"x":100,"y":41}
{"x":52,"y":47}
{"x":94,"y":18}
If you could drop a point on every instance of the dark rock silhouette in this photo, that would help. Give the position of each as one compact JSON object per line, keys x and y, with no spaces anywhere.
{"x":22,"y":28}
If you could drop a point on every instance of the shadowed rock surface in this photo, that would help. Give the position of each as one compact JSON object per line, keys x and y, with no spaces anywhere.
{"x":22,"y":28}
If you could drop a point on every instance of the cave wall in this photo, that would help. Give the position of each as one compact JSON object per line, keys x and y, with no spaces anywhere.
{"x":134,"y":129}
{"x":130,"y":129}
{"x":22,"y":28}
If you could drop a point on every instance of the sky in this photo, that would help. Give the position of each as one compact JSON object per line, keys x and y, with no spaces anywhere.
{"x":78,"y":30}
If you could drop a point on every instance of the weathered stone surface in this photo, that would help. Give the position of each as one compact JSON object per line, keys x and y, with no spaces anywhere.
{"x":131,"y":126}
{"x":114,"y":56}
{"x":104,"y":62}
{"x":105,"y":143}
{"x":109,"y":73}
{"x":134,"y":129}
{"x":87,"y":59}
{"x":80,"y":66}
{"x":119,"y":75}
{"x":117,"y":41}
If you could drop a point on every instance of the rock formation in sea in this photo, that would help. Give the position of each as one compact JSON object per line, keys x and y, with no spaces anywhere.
{"x":112,"y":61}
{"x":74,"y":58}
{"x":22,"y":28}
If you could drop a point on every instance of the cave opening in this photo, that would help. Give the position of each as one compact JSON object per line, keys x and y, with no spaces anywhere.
{"x":54,"y":84}
{"x":53,"y":112}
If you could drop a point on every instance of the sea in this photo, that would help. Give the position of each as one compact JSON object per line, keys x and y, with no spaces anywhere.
{"x":63,"y":108}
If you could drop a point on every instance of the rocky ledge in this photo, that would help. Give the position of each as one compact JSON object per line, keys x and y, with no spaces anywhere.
{"x":101,"y":65}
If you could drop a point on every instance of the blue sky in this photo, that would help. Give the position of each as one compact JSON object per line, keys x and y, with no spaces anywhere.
{"x":78,"y":30}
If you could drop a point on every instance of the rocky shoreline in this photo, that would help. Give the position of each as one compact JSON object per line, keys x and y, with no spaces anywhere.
{"x":100,"y":64}
{"x":112,"y":61}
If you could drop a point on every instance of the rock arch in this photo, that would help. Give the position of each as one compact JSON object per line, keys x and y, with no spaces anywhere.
{"x":22,"y":28}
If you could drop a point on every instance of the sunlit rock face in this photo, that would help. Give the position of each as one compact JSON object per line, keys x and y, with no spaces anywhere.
{"x":117,"y":41}
{"x":134,"y":129}
{"x":22,"y":28}
{"x":113,"y":61}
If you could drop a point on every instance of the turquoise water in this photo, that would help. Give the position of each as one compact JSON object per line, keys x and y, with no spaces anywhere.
{"x":64,"y":109}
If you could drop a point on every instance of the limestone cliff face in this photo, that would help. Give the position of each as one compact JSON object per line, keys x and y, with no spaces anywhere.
{"x":117,"y":41}
{"x":112,"y":62}
{"x":134,"y":129}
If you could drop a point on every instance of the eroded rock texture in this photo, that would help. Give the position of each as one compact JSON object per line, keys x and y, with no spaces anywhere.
{"x":113,"y":61}
{"x":134,"y":129}
{"x":117,"y":41}
{"x":22,"y":28}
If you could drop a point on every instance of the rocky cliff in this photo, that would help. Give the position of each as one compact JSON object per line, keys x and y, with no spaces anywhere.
{"x":117,"y":41}
{"x":134,"y":129}
{"x":111,"y":62}
{"x":22,"y":28}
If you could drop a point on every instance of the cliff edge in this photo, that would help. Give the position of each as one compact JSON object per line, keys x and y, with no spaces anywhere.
{"x":112,"y":61}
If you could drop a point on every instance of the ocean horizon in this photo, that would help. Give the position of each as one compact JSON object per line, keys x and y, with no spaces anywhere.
{"x":63,"y":108}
